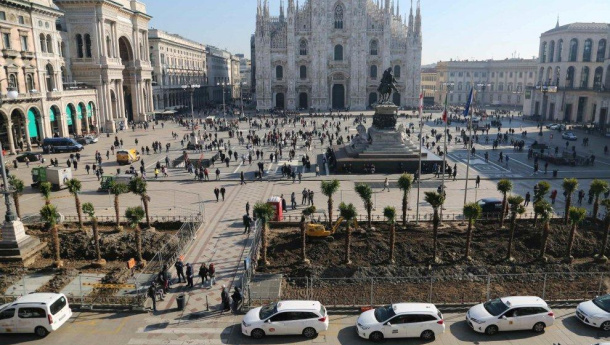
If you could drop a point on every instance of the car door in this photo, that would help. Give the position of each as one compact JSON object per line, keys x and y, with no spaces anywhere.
{"x":28,"y":318}
{"x":421,"y":322}
{"x":509,"y":320}
{"x":7,"y":321}
{"x":395,"y":327}
{"x":276,"y":325}
{"x":529,"y":317}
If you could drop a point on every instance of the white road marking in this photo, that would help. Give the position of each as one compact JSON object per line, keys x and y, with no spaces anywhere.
{"x":239,"y":166}
{"x":178,"y":330}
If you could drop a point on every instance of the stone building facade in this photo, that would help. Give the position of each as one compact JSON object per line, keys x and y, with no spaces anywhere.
{"x":177,"y":62}
{"x":428,"y":82}
{"x":327,"y":54}
{"x":34,"y":64}
{"x":573,"y":82}
{"x":109,"y":49}
{"x":498,"y":82}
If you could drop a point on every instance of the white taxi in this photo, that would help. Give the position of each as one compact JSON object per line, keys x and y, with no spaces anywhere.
{"x":38,"y":313}
{"x":401,"y":320}
{"x":286,"y":318}
{"x":510,"y":314}
{"x":595,"y":313}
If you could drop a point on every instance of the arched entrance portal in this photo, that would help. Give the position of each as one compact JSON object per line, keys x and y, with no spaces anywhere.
{"x":338,"y":101}
{"x":84,"y":119}
{"x":303,"y":104}
{"x":71,"y":119}
{"x":18,"y":130}
{"x":129,"y":78}
{"x":279,"y":100}
{"x":54,"y":115}
{"x":92,"y":118}
{"x":35,"y":126}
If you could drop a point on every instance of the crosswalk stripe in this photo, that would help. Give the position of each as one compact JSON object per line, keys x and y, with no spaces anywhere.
{"x":185,"y":330}
{"x":178,"y":341}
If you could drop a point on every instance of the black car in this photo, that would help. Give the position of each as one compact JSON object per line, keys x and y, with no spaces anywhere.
{"x":490,"y":205}
{"x":32,"y":157}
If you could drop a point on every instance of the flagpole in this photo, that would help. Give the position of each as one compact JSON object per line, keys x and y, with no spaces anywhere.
{"x":469,"y":147}
{"x":419,"y":172}
{"x":444,"y":155}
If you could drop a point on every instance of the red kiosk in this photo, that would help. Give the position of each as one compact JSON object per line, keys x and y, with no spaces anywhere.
{"x":276,"y":202}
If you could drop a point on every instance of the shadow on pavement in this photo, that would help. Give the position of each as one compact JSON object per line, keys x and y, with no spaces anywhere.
{"x":10,"y":339}
{"x":462,"y":332}
{"x":236,"y":337}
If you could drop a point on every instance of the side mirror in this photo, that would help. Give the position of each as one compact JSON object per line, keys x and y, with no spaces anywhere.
{"x":268,"y":321}
{"x":387,"y":324}
{"x":503,"y":317}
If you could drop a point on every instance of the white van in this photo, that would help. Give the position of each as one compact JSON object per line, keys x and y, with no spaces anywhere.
{"x":38,"y":313}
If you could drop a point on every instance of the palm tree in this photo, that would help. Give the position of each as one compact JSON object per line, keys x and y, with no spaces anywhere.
{"x":504,"y":186}
{"x":348,"y":212}
{"x":89,"y":210}
{"x":598,"y":187}
{"x":540,"y":193}
{"x":389,"y":213}
{"x":329,"y":188}
{"x":265,"y":212}
{"x":472,"y":212}
{"x":366,"y":194}
{"x":18,"y":187}
{"x":577,"y":215}
{"x":545,"y":210}
{"x":601,"y":255}
{"x":516,"y":207}
{"x":405,"y":182}
{"x":134,"y":216}
{"x":45,"y":190}
{"x":138,"y":187}
{"x":569,"y":185}
{"x":74,"y":187}
{"x":436,"y":200}
{"x":117,"y":189}
{"x":49,"y":215}
{"x":306,"y":214}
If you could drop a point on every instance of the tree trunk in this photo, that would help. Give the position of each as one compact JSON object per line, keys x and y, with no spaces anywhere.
{"x":435,"y":222}
{"x":545,"y":237}
{"x":116,"y":210}
{"x":513,"y":221}
{"x":535,"y":219}
{"x":330,"y":212}
{"x":369,"y":210}
{"x":392,"y":241}
{"x":503,"y":213}
{"x":96,"y":238}
{"x":55,"y":235}
{"x":138,"y":242}
{"x":468,"y":239}
{"x":79,"y":212}
{"x":145,"y":202}
{"x":348,"y":243}
{"x":595,"y":208}
{"x":303,"y":240}
{"x":567,"y":210}
{"x":47,"y":201}
{"x":571,"y":240}
{"x":17,"y":205}
{"x":404,"y":208}
{"x":264,"y":241}
{"x":605,"y":240}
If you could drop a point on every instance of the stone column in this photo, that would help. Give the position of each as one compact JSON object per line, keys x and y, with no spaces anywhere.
{"x":28,"y":142}
{"x":120,"y":98}
{"x":9,"y":132}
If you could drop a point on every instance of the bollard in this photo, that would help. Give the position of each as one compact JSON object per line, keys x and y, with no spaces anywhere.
{"x":207,"y":305}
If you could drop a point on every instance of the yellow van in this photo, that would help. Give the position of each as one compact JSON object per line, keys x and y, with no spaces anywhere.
{"x":127,"y":156}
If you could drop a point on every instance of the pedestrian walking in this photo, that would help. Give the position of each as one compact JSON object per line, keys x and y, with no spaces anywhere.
{"x":305,"y":195}
{"x":247,"y":207}
{"x":152,"y":293}
{"x":237,"y":299}
{"x":180,"y":270}
{"x":217,"y":193}
{"x":212,"y":273}
{"x":527,"y":199}
{"x":293,"y":201}
{"x":189,"y":275}
{"x":553,"y":196}
{"x":478,"y":182}
{"x":242,"y":178}
{"x":87,"y":168}
{"x":386,"y":185}
{"x":217,"y":174}
{"x":247,"y":223}
{"x":225,"y":298}
{"x":222,"y":192}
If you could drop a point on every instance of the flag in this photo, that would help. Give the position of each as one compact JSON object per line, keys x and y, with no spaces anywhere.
{"x":421,"y":103}
{"x":445,"y":111}
{"x":468,"y":103}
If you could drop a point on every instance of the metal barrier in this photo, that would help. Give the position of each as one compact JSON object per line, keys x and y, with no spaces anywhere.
{"x":468,"y":289}
{"x":251,"y":261}
{"x":412,"y":218}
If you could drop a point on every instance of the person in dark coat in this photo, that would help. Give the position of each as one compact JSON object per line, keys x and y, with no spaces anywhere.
{"x":203,"y":273}
{"x":247,"y":223}
{"x":217,"y":193}
{"x":222,"y":192}
{"x":152,"y":293}
{"x":225,"y":298}
{"x":180,"y":270}
{"x":237,"y":298}
{"x":189,"y":275}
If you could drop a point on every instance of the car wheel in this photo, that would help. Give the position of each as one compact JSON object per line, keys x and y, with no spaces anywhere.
{"x":491,"y":330}
{"x":539,"y":327}
{"x":41,"y":331}
{"x":376,"y":336}
{"x":257,"y":333}
{"x":427,"y":335}
{"x":605,"y":326}
{"x":309,"y":333}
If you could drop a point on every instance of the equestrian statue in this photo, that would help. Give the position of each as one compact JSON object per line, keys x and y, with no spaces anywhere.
{"x":387,"y":85}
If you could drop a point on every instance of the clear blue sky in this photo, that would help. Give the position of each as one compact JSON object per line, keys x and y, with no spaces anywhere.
{"x":464,"y":29}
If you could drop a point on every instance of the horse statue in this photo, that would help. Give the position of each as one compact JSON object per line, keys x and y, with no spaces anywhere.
{"x":387,"y":85}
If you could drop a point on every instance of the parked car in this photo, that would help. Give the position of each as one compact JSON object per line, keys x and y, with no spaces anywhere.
{"x":91,"y":139}
{"x":401,"y":320}
{"x":552,"y":125}
{"x":569,"y":136}
{"x":38,"y":313}
{"x":490,"y":205}
{"x":55,"y":145}
{"x":32,"y":157}
{"x":595,"y":313}
{"x":284,"y":318}
{"x":510,"y":314}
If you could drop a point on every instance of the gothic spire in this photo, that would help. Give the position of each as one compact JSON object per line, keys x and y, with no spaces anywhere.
{"x":418,"y":20}
{"x":557,"y":25}
{"x":282,"y":10}
{"x":411,"y":19}
{"x":392,"y":8}
{"x":397,"y":8}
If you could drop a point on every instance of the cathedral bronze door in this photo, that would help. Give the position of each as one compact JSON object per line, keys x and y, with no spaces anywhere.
{"x":338,"y":96}
{"x":303,"y":101}
{"x":279,"y":101}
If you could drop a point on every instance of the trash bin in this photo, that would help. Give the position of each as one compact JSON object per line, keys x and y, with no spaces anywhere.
{"x":181,"y":302}
{"x":555,"y":173}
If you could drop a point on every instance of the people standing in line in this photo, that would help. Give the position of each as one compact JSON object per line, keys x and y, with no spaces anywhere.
{"x":189,"y":275}
{"x":180,"y":270}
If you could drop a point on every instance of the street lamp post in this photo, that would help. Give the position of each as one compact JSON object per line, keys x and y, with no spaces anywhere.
{"x":222,"y":85}
{"x":191,"y":88}
{"x":544,"y":89}
{"x":241,"y":96}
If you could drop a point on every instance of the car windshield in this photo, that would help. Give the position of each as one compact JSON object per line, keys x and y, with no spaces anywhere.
{"x":495,"y":307}
{"x":384,"y":313}
{"x":267,"y":311}
{"x":603,"y":303}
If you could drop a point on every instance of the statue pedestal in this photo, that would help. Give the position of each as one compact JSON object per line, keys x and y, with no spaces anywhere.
{"x":16,"y":246}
